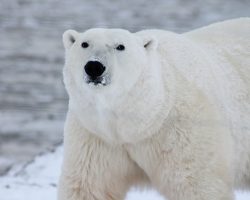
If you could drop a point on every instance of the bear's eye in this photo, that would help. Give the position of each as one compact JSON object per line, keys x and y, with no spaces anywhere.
{"x":85,"y":45}
{"x":120,"y":47}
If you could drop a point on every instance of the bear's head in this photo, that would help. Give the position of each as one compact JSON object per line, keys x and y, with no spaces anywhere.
{"x":105,"y":59}
{"x":113,"y":80}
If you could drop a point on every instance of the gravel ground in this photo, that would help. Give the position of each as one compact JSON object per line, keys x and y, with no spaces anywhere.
{"x":33,"y":102}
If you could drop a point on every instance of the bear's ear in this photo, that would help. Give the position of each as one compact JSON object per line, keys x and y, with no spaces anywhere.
{"x":69,"y":38}
{"x":150,"y":43}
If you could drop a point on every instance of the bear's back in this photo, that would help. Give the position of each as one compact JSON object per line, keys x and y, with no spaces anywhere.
{"x":229,"y":42}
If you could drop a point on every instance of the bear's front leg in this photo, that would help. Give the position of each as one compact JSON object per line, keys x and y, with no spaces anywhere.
{"x":189,"y":159}
{"x":92,"y":169}
{"x":180,"y":173}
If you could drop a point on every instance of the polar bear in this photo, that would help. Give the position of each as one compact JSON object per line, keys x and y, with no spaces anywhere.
{"x":160,"y":109}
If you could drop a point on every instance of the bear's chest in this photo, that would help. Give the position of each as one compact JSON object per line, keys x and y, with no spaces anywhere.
{"x":104,"y":120}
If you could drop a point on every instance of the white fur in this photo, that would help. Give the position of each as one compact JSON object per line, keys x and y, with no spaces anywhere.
{"x":175,"y":114}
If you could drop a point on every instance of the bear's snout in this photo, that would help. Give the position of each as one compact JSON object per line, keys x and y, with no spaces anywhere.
{"x":94,"y":69}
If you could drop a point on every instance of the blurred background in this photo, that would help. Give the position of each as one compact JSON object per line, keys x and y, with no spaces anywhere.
{"x":33,"y":102}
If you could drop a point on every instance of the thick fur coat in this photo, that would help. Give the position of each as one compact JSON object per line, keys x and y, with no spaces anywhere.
{"x":171,"y":111}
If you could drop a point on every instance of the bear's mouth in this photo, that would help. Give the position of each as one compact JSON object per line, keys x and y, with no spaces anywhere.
{"x":98,"y":81}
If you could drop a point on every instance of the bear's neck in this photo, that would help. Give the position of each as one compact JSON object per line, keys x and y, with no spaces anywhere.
{"x":143,"y":110}
{"x":138,"y":115}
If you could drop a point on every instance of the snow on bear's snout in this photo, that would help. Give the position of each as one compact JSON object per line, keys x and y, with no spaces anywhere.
{"x":96,"y":73}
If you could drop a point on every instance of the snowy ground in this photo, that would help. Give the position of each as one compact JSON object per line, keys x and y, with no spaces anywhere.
{"x":38,"y":180}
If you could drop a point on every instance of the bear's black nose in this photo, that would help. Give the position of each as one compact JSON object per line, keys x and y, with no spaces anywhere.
{"x":94,"y":69}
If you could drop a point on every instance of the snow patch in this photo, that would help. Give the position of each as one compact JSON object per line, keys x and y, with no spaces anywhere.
{"x":38,"y":180}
